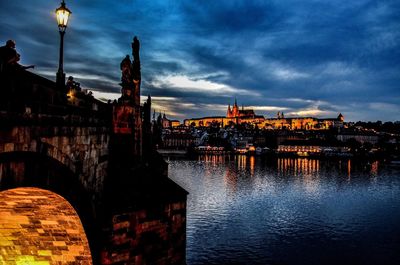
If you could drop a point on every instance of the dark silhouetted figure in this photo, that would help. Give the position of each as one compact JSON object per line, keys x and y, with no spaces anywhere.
{"x":17,"y":65}
{"x":72,"y":85}
{"x":8,"y":55}
{"x":136,"y":59}
{"x":9,"y":58}
{"x":126,"y":68}
{"x":126,"y":79}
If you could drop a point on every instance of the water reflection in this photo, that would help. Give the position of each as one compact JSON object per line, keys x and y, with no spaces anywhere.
{"x":230,"y":179}
{"x":289,"y":166}
{"x":252,"y":164}
{"x":305,"y":171}
{"x":298,"y":166}
{"x":349,"y":168}
{"x":213,"y":159}
{"x":374,"y":168}
{"x":254,"y":210}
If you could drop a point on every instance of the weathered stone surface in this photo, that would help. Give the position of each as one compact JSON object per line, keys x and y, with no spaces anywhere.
{"x":148,"y":236}
{"x":40,"y":227}
{"x":69,"y":149}
{"x":46,"y":142}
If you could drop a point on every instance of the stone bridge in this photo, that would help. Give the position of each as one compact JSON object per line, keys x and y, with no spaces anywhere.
{"x":39,"y":127}
{"x":132,"y":213}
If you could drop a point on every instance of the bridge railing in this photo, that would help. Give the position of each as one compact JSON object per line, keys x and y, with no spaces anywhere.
{"x":23,"y":92}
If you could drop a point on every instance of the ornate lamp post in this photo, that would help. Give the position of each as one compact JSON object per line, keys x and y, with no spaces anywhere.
{"x":62,"y":14}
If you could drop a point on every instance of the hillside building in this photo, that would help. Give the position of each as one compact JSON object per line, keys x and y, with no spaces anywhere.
{"x":236,"y":115}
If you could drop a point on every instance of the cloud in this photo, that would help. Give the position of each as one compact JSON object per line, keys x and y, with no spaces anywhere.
{"x":339,"y":69}
{"x":105,"y":96}
{"x":310,"y":113}
{"x":303,"y":57}
{"x":388,"y":107}
{"x":267,"y":108}
{"x":288,"y":74}
{"x":183,"y":83}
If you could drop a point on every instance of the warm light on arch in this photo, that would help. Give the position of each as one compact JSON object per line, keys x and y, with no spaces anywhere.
{"x":40,"y":227}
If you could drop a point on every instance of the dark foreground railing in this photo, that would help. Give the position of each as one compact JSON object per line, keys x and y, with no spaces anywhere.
{"x":25,"y":96}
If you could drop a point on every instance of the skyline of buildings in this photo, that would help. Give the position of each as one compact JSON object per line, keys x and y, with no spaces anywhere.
{"x":242,"y":115}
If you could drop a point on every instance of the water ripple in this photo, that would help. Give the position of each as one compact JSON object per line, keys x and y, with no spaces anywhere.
{"x":290,"y":211}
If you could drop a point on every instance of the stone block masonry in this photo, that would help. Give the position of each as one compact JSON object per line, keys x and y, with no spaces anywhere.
{"x":155,"y":235}
{"x":83,"y":150}
{"x":40,"y":227}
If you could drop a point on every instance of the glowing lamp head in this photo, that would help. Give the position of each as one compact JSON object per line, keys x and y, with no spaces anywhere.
{"x":62,"y":14}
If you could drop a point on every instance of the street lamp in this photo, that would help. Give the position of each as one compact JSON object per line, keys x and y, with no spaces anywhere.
{"x":62,"y":14}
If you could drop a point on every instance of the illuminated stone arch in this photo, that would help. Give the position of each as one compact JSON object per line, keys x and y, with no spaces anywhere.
{"x":40,"y":227}
{"x":33,"y":169}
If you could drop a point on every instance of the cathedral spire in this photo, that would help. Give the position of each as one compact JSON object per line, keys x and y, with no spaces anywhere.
{"x":340,"y":117}
{"x":229,"y":111}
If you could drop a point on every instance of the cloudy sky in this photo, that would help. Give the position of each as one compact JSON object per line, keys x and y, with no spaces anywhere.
{"x":302,"y":57}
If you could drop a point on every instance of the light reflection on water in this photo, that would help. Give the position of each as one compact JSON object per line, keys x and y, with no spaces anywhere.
{"x":251,"y":210}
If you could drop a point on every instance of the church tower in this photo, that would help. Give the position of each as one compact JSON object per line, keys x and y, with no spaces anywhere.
{"x":340,"y":117}
{"x":235,"y":110}
{"x":229,"y":112}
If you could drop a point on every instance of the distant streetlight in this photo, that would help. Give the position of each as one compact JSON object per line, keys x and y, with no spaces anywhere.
{"x":62,"y":14}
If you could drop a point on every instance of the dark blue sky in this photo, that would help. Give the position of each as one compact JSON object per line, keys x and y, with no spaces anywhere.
{"x":305,"y":58}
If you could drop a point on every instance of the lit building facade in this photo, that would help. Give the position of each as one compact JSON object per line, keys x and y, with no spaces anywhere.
{"x":236,"y":115}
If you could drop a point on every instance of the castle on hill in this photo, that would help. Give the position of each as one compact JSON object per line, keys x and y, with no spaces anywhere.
{"x":235,"y":112}
{"x":236,"y":115}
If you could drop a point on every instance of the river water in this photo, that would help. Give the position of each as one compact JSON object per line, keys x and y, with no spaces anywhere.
{"x":252,"y":210}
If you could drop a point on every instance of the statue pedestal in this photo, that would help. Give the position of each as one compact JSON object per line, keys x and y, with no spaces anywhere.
{"x":123,"y":119}
{"x":127,"y":126}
